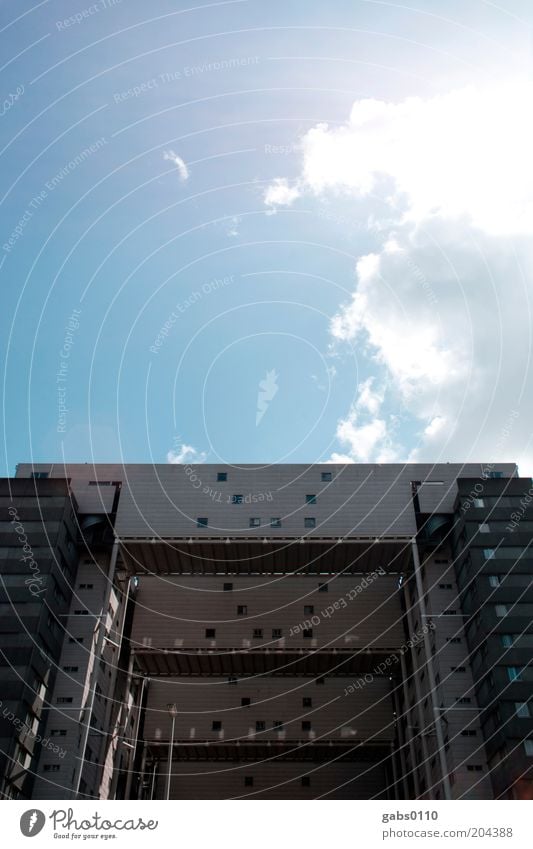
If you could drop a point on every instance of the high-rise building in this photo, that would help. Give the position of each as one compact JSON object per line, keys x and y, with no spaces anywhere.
{"x":290,"y":632}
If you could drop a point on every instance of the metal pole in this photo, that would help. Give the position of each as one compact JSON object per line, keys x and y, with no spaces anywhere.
{"x":170,"y":751}
{"x":432,"y":683}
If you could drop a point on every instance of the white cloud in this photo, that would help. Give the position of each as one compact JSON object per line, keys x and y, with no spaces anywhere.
{"x":183,"y":171}
{"x":464,"y":153}
{"x":280,"y":193}
{"x":186,"y":454}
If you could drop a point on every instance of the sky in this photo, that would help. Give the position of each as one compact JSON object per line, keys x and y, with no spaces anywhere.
{"x":249,"y":232}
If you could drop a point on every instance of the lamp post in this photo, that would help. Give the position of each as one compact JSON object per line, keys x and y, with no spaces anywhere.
{"x":173,"y":712}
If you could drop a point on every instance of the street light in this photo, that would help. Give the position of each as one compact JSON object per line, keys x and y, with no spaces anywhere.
{"x":173,"y":712}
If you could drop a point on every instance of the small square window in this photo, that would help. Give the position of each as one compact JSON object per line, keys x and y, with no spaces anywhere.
{"x":507,"y":640}
{"x":210,"y":633}
{"x":310,"y":522}
{"x":227,"y":588}
{"x":277,"y":633}
{"x":309,"y":610}
{"x":258,"y":634}
{"x":322,"y":588}
{"x":260,"y":725}
{"x":277,"y":724}
{"x":522,"y":710}
{"x":236,"y":499}
{"x":306,"y":725}
{"x":246,"y":701}
{"x":494,"y":581}
{"x":255,"y":522}
{"x":51,"y":767}
{"x":513,"y":673}
{"x":306,"y":781}
{"x":275,"y":522}
{"x":310,"y":499}
{"x":307,"y":633}
{"x":326,"y":476}
{"x":222,"y":477}
{"x":501,"y":610}
{"x":242,"y":610}
{"x":495,"y":474}
{"x":232,"y":679}
{"x":39,"y":475}
{"x":248,"y":781}
{"x":464,"y":700}
{"x":216,"y":725}
{"x":202,"y":522}
{"x":478,"y":502}
{"x":528,"y":748}
{"x":484,"y":528}
{"x":307,"y":702}
{"x":489,"y":553}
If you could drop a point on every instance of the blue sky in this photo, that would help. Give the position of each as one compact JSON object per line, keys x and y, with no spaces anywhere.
{"x":319,"y":210}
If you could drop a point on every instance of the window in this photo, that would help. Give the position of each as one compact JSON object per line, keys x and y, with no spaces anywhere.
{"x":458,"y":668}
{"x":210,"y":633}
{"x":248,"y":781}
{"x":307,"y":633}
{"x":246,"y":701}
{"x":309,"y":610}
{"x":306,"y":781}
{"x":255,"y":522}
{"x":495,"y":474}
{"x":445,"y":586}
{"x":58,"y":732}
{"x":70,"y":668}
{"x":222,"y":477}
{"x":39,"y":475}
{"x":488,"y":553}
{"x":310,"y":499}
{"x":306,"y":725}
{"x":81,"y":613}
{"x":322,"y":588}
{"x":500,"y":610}
{"x":494,"y":580}
{"x":64,"y":700}
{"x":275,"y":522}
{"x":258,"y":634}
{"x":528,"y":748}
{"x":484,"y":528}
{"x":326,"y":477}
{"x":474,"y":768}
{"x":202,"y":522}
{"x":469,"y":733}
{"x":242,"y":610}
{"x":232,"y":679}
{"x":507,"y":640}
{"x":513,"y":673}
{"x":75,"y":640}
{"x":216,"y":725}
{"x":227,"y":588}
{"x":277,"y":633}
{"x":478,"y":502}
{"x":277,"y":724}
{"x":464,"y":700}
{"x":522,"y":710}
{"x":236,"y":499}
{"x":307,"y":702}
{"x":51,"y":767}
{"x":453,"y":640}
{"x":260,"y":725}
{"x":309,"y":522}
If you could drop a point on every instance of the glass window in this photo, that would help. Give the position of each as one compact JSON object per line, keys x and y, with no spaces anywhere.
{"x":488,"y":553}
{"x":501,"y":610}
{"x":310,"y":499}
{"x":484,"y":528}
{"x":326,"y":476}
{"x":255,"y":522}
{"x":478,"y":502}
{"x":513,"y":673}
{"x":309,"y":609}
{"x":310,"y":522}
{"x":222,"y":476}
{"x":275,"y":522}
{"x":522,"y":710}
{"x":236,"y":499}
{"x":507,"y":640}
{"x":202,"y":522}
{"x":494,"y":580}
{"x":242,"y":610}
{"x":528,"y":748}
{"x":258,"y":633}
